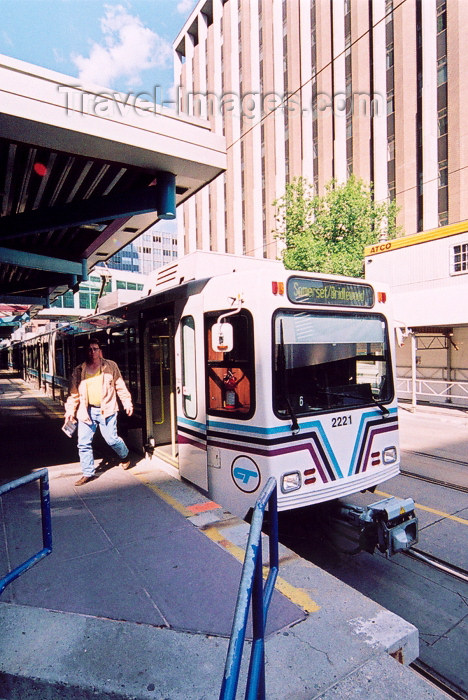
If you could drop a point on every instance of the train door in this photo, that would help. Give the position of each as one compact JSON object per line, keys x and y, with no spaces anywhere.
{"x":191,"y":397}
{"x":160,"y":388}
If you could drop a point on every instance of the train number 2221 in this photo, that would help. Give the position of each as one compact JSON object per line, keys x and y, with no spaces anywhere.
{"x":340,"y":421}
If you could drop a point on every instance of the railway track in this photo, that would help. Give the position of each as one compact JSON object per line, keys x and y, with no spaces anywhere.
{"x":420,"y":666}
{"x":436,"y":563}
{"x":431,"y":480}
{"x":439,"y":681}
{"x":452,"y":460}
{"x":416,"y":553}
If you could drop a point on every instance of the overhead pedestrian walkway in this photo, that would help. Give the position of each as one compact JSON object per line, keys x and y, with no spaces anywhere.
{"x":136,"y":599}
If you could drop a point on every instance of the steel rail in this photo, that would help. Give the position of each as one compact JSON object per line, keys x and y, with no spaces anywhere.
{"x":452,"y":460}
{"x":437,"y":680}
{"x":436,"y":482}
{"x":439,"y":564}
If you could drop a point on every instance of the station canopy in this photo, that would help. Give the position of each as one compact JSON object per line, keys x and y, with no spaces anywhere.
{"x":83,"y":172}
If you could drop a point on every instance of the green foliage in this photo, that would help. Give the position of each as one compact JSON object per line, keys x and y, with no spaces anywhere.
{"x":328,"y":233}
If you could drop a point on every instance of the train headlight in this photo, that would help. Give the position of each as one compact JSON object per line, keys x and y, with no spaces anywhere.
{"x":389,"y":455}
{"x":290,"y":482}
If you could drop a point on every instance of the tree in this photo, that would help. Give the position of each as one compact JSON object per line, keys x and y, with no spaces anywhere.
{"x":328,"y":233}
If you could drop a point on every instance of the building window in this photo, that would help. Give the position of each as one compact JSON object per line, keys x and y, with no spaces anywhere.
{"x":443,"y":173}
{"x":390,"y":102}
{"x":389,"y":47}
{"x":443,"y":218}
{"x":390,"y":57}
{"x":65,"y":301}
{"x":88,"y":298}
{"x":442,"y":70}
{"x":441,"y":9}
{"x":442,"y":122}
{"x":122,"y":284}
{"x":459,"y":259}
{"x":442,"y":93}
{"x":313,"y":27}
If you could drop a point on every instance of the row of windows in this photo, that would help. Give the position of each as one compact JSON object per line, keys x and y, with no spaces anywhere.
{"x":122,"y":284}
{"x":88,"y":294}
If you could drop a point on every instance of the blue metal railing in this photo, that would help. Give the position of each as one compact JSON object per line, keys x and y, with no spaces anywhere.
{"x":43,"y":475}
{"x":251,"y":588}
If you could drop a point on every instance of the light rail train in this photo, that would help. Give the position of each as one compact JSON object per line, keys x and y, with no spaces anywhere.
{"x":241,"y":370}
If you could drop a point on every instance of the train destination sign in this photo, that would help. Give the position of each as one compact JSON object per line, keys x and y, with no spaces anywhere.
{"x":329,"y":292}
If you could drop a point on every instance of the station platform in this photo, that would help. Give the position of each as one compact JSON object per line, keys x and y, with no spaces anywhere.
{"x":137,"y":598}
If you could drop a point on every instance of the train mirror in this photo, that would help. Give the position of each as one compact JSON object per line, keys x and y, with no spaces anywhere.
{"x":222,"y":337}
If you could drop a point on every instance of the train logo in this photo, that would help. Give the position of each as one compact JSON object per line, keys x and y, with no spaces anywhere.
{"x":245,"y":474}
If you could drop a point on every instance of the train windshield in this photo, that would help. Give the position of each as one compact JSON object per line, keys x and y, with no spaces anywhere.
{"x":325,"y":361}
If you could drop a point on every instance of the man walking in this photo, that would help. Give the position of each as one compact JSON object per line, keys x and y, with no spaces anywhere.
{"x":94,"y":387}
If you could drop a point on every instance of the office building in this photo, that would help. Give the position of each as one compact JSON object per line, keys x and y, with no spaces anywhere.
{"x":156,"y":247}
{"x":324,"y":89}
{"x":118,"y":286}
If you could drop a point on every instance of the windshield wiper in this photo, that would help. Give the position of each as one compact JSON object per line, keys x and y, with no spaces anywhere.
{"x":385,"y":412}
{"x":294,"y":424}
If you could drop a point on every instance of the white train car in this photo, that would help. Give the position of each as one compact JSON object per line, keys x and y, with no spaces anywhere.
{"x":241,"y":370}
{"x":284,"y":374}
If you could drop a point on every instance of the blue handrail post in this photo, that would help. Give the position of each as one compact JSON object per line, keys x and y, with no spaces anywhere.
{"x":256,"y":677}
{"x":45,"y":512}
{"x":43,"y":476}
{"x":251,"y":588}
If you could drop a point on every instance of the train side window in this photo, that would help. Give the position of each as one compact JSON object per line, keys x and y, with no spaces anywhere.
{"x":189,"y":368}
{"x":117,"y":350}
{"x":59,"y":358}
{"x":45,"y":357}
{"x":230,"y":375}
{"x":123,"y":349}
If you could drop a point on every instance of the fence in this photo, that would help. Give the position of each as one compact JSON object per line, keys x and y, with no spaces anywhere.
{"x":43,"y":476}
{"x":433,"y":390}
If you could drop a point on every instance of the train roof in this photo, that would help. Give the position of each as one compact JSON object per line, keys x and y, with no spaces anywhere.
{"x":183,"y":278}
{"x":201,"y":265}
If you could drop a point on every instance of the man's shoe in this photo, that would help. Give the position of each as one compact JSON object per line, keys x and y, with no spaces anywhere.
{"x":126,"y":464}
{"x":84,"y":480}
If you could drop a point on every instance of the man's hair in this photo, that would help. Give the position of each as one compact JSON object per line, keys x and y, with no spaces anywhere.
{"x":94,"y":340}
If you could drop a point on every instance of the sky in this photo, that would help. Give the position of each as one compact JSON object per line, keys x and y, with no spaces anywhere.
{"x":124,"y":45}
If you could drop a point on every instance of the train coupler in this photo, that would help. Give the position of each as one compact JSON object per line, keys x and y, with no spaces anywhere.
{"x":390,"y":524}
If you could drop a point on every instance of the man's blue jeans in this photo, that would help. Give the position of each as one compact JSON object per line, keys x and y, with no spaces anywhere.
{"x":108,"y":428}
